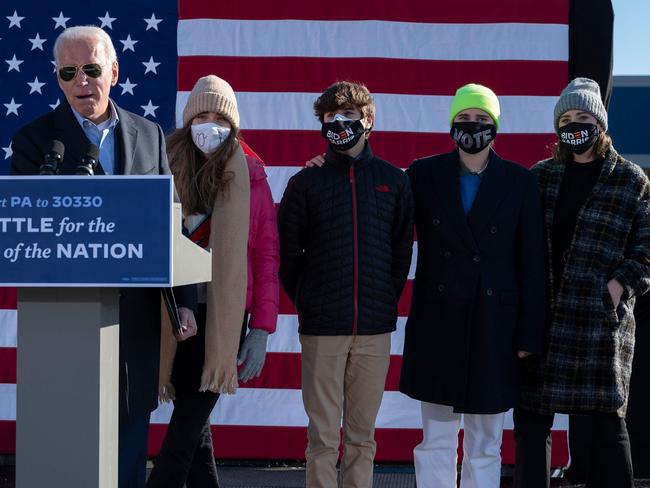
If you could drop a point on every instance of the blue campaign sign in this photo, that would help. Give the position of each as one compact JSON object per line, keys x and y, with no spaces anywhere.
{"x":109,"y":231}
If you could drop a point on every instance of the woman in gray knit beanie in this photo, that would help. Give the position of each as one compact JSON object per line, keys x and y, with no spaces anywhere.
{"x":597,"y":220}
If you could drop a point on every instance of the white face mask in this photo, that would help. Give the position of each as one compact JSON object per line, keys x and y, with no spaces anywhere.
{"x":343,"y":118}
{"x":209,"y":136}
{"x":340,"y":117}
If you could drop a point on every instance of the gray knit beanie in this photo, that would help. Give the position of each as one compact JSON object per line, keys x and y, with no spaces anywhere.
{"x":581,"y":94}
{"x":212,"y":94}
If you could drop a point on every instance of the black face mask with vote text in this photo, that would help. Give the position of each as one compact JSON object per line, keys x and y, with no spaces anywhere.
{"x":473,"y":137}
{"x":343,"y":134}
{"x":578,"y":136}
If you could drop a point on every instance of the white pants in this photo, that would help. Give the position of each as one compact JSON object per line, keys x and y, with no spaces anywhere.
{"x":436,"y":457}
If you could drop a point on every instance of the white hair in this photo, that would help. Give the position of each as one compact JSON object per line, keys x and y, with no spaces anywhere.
{"x":85,"y":32}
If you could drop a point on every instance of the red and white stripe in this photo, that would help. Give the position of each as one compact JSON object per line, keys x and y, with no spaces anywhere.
{"x":412,"y":55}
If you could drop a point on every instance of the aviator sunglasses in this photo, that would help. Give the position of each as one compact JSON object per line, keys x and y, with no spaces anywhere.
{"x":92,"y":70}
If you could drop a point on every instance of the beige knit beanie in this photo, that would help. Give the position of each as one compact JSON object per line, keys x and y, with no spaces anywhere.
{"x":212,"y":94}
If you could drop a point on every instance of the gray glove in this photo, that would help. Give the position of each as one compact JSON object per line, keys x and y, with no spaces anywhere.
{"x":252,"y":354}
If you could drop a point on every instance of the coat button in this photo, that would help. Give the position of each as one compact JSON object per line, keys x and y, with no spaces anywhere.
{"x":493,"y":230}
{"x":436,"y":222}
{"x":447,"y":254}
{"x":441,"y":288}
{"x":488,"y":292}
{"x":476,"y":258}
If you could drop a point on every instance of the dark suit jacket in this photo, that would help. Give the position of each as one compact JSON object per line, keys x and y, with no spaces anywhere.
{"x":479,"y":285}
{"x":140,"y":150}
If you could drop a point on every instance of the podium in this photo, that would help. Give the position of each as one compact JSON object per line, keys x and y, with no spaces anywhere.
{"x":71,"y":244}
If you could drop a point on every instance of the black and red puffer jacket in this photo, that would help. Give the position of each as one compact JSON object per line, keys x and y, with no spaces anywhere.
{"x":346,"y":238}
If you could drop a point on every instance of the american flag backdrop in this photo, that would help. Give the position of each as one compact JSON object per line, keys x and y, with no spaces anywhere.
{"x":279,"y":56}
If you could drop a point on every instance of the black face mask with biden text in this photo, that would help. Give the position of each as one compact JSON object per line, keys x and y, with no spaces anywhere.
{"x":473,"y":137}
{"x":578,"y":136}
{"x":343,"y":134}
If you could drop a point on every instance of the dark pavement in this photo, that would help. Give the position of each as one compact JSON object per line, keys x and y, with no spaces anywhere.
{"x":292,"y":475}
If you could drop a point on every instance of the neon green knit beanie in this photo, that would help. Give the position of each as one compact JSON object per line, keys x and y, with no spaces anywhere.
{"x":475,"y":96}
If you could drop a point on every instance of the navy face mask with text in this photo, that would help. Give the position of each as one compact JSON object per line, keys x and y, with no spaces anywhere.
{"x":578,"y":136}
{"x":342,"y":133}
{"x":473,"y":137}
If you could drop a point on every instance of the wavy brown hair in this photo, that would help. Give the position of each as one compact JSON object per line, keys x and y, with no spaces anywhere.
{"x":199,"y":177}
{"x":343,"y":94}
{"x":563,"y":154}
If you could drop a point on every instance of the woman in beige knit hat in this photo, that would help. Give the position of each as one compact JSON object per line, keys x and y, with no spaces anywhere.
{"x":212,"y":179}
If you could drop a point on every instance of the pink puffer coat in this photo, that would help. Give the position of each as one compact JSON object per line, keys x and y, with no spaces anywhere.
{"x":262,"y":296}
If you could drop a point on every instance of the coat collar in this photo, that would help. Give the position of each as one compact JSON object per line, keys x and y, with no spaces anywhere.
{"x":340,"y":160}
{"x":68,"y":130}
{"x":551,"y":191}
{"x":609,"y":164}
{"x":490,"y":194}
{"x":127,"y":135}
{"x":446,"y":181}
{"x":556,"y":175}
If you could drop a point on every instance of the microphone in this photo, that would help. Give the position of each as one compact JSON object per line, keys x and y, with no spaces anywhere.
{"x":53,"y":159}
{"x":89,"y":161}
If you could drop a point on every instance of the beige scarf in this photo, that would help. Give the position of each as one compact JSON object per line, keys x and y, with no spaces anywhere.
{"x":226,"y":293}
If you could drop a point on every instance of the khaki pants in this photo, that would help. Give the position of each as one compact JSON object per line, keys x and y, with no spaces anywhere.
{"x":342,"y":375}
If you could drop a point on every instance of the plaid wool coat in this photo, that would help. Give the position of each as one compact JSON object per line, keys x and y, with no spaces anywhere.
{"x":589,"y":344}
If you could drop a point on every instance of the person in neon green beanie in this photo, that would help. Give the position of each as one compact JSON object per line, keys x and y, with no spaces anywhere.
{"x":476,"y":96}
{"x":478,"y":301}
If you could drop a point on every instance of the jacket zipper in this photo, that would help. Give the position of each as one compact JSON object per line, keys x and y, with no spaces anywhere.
{"x":355,"y":237}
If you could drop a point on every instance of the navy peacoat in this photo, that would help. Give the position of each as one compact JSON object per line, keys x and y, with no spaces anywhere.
{"x":479,"y":287}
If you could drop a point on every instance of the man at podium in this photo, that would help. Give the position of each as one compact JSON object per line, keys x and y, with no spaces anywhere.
{"x":89,"y":134}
